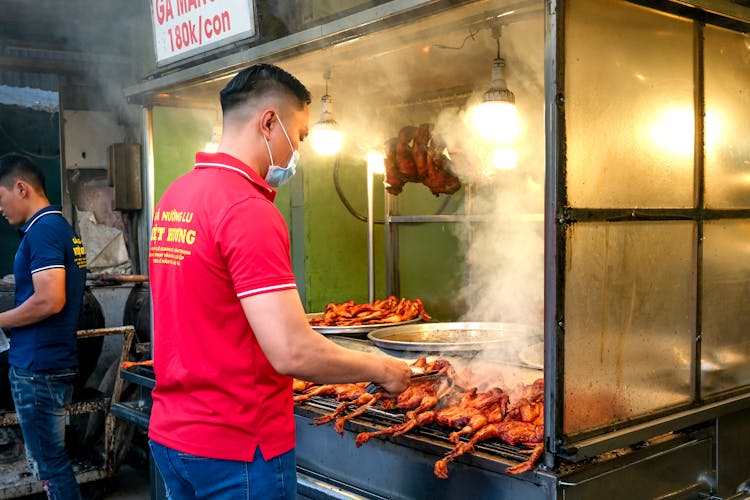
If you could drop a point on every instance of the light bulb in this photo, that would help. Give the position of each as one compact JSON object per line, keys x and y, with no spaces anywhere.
{"x":326,"y":136}
{"x":495,"y":117}
{"x":376,"y":162}
{"x":496,"y":120}
{"x":326,"y":140}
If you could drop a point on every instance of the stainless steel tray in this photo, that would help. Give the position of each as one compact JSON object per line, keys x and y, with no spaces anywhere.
{"x":354,"y":329}
{"x":442,"y":337}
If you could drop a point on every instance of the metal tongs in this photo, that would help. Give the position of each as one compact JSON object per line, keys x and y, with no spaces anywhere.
{"x":418,"y":375}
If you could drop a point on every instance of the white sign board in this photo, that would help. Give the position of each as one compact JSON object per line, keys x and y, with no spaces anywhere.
{"x":183,"y":28}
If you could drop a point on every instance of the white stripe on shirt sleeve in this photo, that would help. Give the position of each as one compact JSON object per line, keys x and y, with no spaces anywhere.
{"x":264,"y":289}
{"x":47,"y":267}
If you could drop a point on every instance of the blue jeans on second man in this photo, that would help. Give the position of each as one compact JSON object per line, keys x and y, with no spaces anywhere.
{"x":40,"y":399}
{"x":188,"y":476}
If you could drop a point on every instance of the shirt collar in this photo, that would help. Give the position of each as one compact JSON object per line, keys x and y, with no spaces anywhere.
{"x":229,"y":162}
{"x":50,"y":209}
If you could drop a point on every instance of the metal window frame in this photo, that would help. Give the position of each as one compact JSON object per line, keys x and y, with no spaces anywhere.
{"x":559,"y":215}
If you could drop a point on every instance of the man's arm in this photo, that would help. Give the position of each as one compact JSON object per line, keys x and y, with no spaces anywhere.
{"x":48,"y":298}
{"x":295,"y":349}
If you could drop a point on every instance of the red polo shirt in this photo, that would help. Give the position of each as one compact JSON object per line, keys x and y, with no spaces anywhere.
{"x":217,"y":237}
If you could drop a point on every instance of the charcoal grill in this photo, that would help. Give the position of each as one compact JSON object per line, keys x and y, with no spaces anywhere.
{"x":385,"y":418}
{"x":402,"y":467}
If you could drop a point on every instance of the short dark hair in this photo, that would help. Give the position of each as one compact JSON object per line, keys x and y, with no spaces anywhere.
{"x":14,"y":166}
{"x":258,"y":80}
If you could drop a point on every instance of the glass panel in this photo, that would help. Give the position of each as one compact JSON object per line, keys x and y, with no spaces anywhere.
{"x":727,"y":56}
{"x":629,"y":106}
{"x":629,"y":321}
{"x":726,"y":288}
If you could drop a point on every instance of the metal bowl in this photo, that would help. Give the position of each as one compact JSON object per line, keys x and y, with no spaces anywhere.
{"x":451,"y":337}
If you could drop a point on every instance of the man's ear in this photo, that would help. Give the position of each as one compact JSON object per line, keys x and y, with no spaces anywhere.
{"x":267,"y":117}
{"x":22,"y":188}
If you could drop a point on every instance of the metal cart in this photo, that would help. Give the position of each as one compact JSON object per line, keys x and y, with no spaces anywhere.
{"x":16,"y":480}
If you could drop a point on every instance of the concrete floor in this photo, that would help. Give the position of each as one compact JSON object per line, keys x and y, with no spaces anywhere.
{"x":129,"y":483}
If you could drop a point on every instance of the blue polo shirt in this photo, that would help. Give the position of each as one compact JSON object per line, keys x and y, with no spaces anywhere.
{"x":47,"y":242}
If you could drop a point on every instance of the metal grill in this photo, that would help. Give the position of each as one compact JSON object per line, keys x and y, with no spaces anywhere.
{"x":432,"y":431}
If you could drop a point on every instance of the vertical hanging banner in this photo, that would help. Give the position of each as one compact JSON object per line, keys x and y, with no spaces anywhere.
{"x":183,"y":28}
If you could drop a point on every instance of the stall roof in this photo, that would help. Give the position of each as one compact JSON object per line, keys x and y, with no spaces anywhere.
{"x":315,"y":50}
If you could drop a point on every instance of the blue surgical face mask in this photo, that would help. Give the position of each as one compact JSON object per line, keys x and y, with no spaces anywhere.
{"x":277,"y":175}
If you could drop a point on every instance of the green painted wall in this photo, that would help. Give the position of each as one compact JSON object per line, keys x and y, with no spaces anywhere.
{"x":35,"y":134}
{"x":178,"y":134}
{"x":431,"y":259}
{"x":335,"y":240}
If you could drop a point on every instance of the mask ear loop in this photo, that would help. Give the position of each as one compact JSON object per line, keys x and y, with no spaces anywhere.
{"x":270,"y":156}
{"x":283,"y":129}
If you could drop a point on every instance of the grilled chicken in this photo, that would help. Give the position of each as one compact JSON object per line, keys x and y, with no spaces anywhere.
{"x":341,"y":391}
{"x":301,"y":385}
{"x":469,"y":414}
{"x":511,"y":432}
{"x":362,"y":404}
{"x":418,"y":155}
{"x":515,"y":418}
{"x":522,"y":424}
{"x":405,"y":158}
{"x":390,"y":310}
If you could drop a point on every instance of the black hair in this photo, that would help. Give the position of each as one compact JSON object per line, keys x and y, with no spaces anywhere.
{"x":259,"y":79}
{"x":14,"y":166}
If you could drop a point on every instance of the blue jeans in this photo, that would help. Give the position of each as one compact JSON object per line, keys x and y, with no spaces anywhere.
{"x":40,"y":399}
{"x":191,"y":477}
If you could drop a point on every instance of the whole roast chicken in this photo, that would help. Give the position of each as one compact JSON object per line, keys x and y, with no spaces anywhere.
{"x":417,"y":155}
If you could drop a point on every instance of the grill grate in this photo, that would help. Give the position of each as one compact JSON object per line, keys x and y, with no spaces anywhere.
{"x":437,"y":432}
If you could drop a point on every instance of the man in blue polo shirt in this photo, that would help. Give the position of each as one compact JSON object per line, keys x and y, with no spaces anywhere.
{"x":50,"y":274}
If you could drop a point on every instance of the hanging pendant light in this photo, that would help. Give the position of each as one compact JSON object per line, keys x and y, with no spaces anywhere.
{"x":495,"y":117}
{"x":326,"y":135}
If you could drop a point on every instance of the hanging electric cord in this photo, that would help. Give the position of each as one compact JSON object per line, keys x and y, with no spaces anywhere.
{"x":472,"y":34}
{"x":353,"y":211}
{"x":20,"y":149}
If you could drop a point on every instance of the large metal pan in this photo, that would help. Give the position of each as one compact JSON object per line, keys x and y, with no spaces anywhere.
{"x":451,"y":337}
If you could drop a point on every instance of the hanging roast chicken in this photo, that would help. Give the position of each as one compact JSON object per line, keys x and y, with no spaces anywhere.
{"x":417,"y":155}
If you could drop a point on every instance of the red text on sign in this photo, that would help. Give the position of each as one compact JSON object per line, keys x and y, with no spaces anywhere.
{"x":163,"y":11}
{"x":217,"y":25}
{"x":190,"y":33}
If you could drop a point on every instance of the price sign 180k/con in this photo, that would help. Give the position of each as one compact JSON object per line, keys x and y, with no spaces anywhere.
{"x":183,"y":28}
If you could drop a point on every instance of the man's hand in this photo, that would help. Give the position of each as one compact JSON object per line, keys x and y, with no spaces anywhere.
{"x":397,"y":375}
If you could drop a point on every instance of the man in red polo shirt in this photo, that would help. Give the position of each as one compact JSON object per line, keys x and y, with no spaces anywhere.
{"x":229,"y":328}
